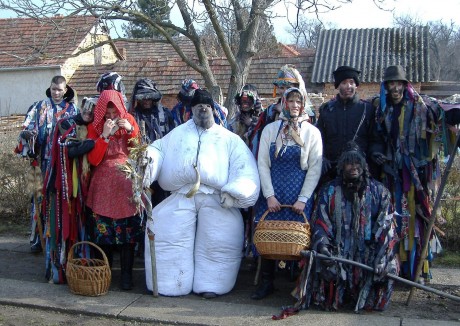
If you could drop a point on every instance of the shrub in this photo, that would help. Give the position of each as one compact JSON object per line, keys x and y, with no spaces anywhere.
{"x":14,"y":194}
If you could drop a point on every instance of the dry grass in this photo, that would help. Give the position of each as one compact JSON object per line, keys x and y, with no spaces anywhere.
{"x":14,"y":198}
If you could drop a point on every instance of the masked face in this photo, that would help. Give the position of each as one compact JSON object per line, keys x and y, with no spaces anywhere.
{"x":395,"y":90}
{"x":246,"y":103}
{"x":203,"y":116}
{"x":347,"y":89}
{"x":352,"y":171}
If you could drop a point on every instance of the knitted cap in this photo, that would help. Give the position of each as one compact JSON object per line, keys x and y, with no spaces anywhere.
{"x":345,"y":72}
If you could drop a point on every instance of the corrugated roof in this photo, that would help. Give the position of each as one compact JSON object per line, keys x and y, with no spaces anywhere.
{"x":48,"y":41}
{"x":371,"y":51}
{"x":161,"y":63}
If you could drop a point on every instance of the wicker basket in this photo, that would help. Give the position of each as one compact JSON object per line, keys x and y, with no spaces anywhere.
{"x":282,"y":240}
{"x":88,"y":276}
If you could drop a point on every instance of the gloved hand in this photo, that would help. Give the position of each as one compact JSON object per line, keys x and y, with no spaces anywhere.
{"x":378,"y":158}
{"x":326,"y":166}
{"x":226,"y":200}
{"x":79,"y":148}
{"x":324,"y":250}
{"x":28,"y":134}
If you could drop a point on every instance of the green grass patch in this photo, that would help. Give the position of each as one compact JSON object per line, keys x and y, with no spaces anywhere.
{"x":448,"y":259}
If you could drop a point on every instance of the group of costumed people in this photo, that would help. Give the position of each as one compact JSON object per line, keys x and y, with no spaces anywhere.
{"x":362,"y":176}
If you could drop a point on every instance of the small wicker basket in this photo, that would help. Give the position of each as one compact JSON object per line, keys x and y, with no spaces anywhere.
{"x":281,"y":240}
{"x":88,"y":276}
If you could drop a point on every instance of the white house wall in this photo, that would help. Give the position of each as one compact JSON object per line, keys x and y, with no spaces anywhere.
{"x":19,"y":88}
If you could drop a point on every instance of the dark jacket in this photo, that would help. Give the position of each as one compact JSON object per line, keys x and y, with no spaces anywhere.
{"x":338,"y":123}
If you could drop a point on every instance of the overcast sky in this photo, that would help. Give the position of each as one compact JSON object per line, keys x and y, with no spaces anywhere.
{"x":364,"y":14}
{"x":361,"y":14}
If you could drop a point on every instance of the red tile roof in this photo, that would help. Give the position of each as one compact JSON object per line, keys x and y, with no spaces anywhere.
{"x":48,"y":41}
{"x":161,"y":63}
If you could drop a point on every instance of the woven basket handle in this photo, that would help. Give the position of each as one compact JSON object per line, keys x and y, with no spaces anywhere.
{"x":282,"y":206}
{"x":70,"y":256}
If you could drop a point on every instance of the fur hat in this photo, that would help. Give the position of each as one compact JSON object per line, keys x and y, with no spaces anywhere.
{"x":201,"y":96}
{"x":394,"y":73}
{"x":345,"y":72}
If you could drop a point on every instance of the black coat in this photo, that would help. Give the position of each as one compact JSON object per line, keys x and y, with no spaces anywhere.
{"x":338,"y":122}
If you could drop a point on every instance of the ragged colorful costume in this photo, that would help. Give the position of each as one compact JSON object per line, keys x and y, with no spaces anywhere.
{"x":65,"y":189}
{"x":361,"y":230}
{"x":410,"y":135}
{"x":41,"y":119}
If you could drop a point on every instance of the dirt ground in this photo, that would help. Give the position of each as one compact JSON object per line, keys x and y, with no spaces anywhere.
{"x":30,"y":267}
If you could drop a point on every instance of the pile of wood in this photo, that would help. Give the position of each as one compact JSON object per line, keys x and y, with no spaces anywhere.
{"x":11,"y":122}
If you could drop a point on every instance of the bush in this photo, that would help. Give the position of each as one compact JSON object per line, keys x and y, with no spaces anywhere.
{"x":450,"y":208}
{"x":14,"y":194}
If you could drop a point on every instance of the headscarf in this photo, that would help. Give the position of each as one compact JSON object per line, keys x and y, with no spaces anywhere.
{"x":290,"y":128}
{"x":110,"y":80}
{"x":251,"y":92}
{"x":289,"y":75}
{"x":105,"y":98}
{"x":188,"y":87}
{"x":145,"y":89}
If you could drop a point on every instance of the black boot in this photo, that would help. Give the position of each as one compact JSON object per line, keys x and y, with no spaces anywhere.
{"x":266,"y":286}
{"x":108,"y":251}
{"x":127,"y":262}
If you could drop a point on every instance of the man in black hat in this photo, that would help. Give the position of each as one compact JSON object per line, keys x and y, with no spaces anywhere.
{"x":406,"y":146}
{"x":36,"y":137}
{"x":211,"y":173}
{"x":342,"y":119}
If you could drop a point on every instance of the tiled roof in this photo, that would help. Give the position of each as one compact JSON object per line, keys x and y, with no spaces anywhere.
{"x":160,"y":63}
{"x":48,"y":41}
{"x":371,"y":51}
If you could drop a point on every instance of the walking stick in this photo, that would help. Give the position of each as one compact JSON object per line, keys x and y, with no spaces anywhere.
{"x":306,"y":253}
{"x":433,"y":216}
{"x":151,"y":236}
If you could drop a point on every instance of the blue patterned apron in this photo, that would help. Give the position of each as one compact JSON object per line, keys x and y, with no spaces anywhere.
{"x":287,"y":180}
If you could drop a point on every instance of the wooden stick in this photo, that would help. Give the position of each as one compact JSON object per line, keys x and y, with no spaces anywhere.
{"x":306,"y":253}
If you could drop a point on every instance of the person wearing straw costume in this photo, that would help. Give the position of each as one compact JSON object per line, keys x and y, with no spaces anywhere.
{"x":352,"y":220}
{"x":113,"y":219}
{"x":290,"y":156}
{"x":198,"y":229}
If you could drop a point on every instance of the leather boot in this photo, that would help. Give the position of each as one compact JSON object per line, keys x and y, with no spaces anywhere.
{"x":266,"y":286}
{"x":108,"y":251}
{"x":127,"y":262}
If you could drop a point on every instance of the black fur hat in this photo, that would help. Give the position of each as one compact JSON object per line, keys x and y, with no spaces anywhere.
{"x":201,"y":96}
{"x":345,"y":72}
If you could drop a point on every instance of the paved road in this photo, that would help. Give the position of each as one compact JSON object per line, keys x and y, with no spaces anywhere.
{"x":22,"y":285}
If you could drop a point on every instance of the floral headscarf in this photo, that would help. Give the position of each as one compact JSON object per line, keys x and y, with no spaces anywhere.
{"x":284,"y":107}
{"x":106,"y":97}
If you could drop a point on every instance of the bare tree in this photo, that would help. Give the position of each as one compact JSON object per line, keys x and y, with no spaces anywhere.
{"x":444,"y":46}
{"x":305,"y":31}
{"x":194,"y":13}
